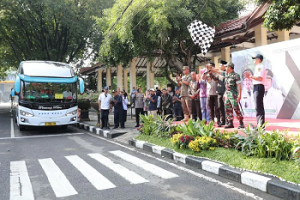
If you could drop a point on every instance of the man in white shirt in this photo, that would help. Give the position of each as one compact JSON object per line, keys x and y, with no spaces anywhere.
{"x":258,"y":89}
{"x":104,"y":102}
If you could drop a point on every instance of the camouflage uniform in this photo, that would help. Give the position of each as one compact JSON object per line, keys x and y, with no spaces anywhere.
{"x":231,"y":86}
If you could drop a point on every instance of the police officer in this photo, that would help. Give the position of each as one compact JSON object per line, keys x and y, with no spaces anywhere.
{"x":258,"y":89}
{"x":232,"y":95}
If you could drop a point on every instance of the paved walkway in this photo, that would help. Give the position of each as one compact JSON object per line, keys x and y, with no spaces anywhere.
{"x":129,"y":125}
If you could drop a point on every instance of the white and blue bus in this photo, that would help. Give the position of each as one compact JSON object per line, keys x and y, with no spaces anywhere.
{"x":45,"y":94}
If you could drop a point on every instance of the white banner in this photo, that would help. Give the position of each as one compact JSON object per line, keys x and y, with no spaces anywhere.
{"x":282,"y":61}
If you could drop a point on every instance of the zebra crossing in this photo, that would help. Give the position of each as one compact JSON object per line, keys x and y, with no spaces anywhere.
{"x":21,"y":186}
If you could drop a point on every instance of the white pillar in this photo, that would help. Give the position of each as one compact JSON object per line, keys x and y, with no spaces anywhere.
{"x":150,"y":75}
{"x":126,"y":80}
{"x":133,"y":74}
{"x":225,"y":54}
{"x":216,"y":61}
{"x":260,"y":35}
{"x":120,"y":77}
{"x":99,"y":80}
{"x":108,"y":77}
{"x":283,"y":35}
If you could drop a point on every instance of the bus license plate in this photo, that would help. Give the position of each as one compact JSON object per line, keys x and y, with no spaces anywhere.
{"x":50,"y":124}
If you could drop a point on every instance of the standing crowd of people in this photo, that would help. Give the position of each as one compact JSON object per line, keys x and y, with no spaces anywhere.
{"x":212,"y":94}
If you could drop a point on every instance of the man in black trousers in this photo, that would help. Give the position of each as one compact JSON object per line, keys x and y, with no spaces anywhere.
{"x":258,"y":89}
{"x":220,"y":92}
{"x":118,"y":110}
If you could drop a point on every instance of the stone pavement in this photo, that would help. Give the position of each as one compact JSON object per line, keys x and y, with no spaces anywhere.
{"x":130,"y":129}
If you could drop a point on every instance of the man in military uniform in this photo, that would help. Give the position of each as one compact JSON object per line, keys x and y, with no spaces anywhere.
{"x":184,"y":83}
{"x":233,"y":93}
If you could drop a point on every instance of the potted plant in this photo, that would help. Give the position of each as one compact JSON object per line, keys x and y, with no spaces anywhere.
{"x":84,"y":104}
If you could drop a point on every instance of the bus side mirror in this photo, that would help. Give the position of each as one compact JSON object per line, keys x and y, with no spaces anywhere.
{"x":13,"y":93}
{"x":17,"y":85}
{"x":81,"y":86}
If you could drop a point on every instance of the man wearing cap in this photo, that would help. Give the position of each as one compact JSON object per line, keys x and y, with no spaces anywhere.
{"x":247,"y":100}
{"x":104,"y":101}
{"x":232,"y":94}
{"x":184,"y":83}
{"x":194,"y":95}
{"x":258,"y":89}
{"x":220,"y":92}
{"x":152,"y":103}
{"x":273,"y":99}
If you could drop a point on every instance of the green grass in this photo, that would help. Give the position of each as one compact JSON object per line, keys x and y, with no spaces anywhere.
{"x":288,"y":170}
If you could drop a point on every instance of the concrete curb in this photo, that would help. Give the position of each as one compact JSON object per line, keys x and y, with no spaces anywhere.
{"x":264,"y":183}
{"x":98,"y":131}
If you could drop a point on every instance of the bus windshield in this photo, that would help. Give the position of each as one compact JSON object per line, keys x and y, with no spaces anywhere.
{"x":49,"y":92}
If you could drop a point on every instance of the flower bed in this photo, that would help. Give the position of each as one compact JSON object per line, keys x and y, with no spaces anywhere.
{"x":268,"y":152}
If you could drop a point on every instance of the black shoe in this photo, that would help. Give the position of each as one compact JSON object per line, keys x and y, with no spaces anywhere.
{"x":241,"y":125}
{"x":115,"y":127}
{"x":122,"y":127}
{"x":137,"y":126}
{"x":106,"y":128}
{"x":229,"y":125}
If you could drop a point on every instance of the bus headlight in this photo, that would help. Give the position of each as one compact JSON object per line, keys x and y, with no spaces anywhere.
{"x":74,"y":112}
{"x":26,"y":113}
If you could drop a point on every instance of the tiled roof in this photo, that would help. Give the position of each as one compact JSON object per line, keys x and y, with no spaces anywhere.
{"x":88,"y":69}
{"x":232,"y":25}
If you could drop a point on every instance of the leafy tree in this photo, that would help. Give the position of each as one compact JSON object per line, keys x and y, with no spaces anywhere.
{"x":159,"y":28}
{"x":282,"y":14}
{"x":49,"y":30}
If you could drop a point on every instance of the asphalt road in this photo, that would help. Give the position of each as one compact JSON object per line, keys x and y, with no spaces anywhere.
{"x":43,"y":163}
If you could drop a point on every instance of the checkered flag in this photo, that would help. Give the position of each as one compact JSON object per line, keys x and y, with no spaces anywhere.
{"x":202,"y":35}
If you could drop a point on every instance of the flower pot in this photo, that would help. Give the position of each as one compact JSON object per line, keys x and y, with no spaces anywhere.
{"x":84,"y":104}
{"x":95,"y":106}
{"x":84,"y":115}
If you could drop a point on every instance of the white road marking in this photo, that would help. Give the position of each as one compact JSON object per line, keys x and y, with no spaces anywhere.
{"x":58,"y":181}
{"x":12,"y":130}
{"x":207,"y":178}
{"x":160,"y":172}
{"x":20,"y":185}
{"x":95,"y":178}
{"x":42,"y":136}
{"x":131,"y":176}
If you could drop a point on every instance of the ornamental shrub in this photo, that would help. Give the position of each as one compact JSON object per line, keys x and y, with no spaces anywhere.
{"x":175,"y":140}
{"x":202,"y":143}
{"x":184,"y":141}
